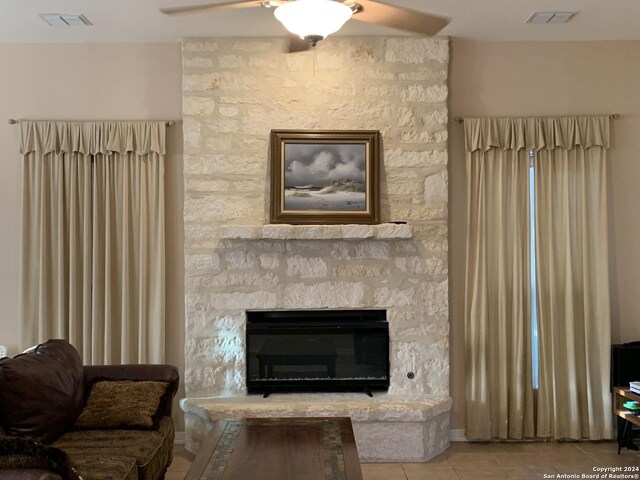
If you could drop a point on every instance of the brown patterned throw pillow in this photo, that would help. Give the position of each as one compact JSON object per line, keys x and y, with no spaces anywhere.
{"x":122,"y":404}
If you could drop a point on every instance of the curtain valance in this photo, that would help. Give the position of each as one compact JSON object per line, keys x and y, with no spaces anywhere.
{"x":91,"y":138}
{"x":536,"y":133}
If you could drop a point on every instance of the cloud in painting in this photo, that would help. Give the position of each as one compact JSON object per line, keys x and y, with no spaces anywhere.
{"x":321,"y":164}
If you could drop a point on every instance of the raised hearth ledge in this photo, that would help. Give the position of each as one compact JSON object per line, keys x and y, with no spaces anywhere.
{"x":388,"y":428}
{"x":383,"y":231}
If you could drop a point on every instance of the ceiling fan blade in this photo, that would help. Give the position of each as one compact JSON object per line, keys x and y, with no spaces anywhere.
{"x":400,"y":18}
{"x":210,"y":6}
{"x":297,"y":44}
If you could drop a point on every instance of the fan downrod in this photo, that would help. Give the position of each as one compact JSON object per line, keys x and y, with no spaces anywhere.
{"x":313,"y":39}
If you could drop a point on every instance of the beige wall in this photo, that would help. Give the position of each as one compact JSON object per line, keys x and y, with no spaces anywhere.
{"x":90,"y":82}
{"x":550,"y":78}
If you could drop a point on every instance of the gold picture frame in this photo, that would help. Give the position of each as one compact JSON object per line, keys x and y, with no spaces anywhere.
{"x":325,"y":176}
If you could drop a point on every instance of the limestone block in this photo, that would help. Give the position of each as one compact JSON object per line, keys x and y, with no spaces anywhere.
{"x":295,"y":63}
{"x":243,"y":301}
{"x":253,"y":46}
{"x":329,"y":60}
{"x":230,"y":279}
{"x":313,"y":267}
{"x":420,"y":331}
{"x":269,"y":261}
{"x":201,"y":164}
{"x":191,"y":133}
{"x":372,"y":249}
{"x":421,"y":94}
{"x":424,"y":137}
{"x":357,"y":231}
{"x":435,"y":296}
{"x":195,"y":303}
{"x":200,"y":261}
{"x":380,"y":91}
{"x":253,"y":144}
{"x":362,"y":271}
{"x":261,"y":121}
{"x":402,"y":441}
{"x":423,"y":265}
{"x":198,"y":106}
{"x":222,"y":125}
{"x":433,"y":72}
{"x":323,"y":295}
{"x":215,"y":81}
{"x":301,"y":232}
{"x":416,"y":50}
{"x":215,"y":208}
{"x":436,"y":117}
{"x":402,"y":187}
{"x":363,"y":51}
{"x":404,"y":158}
{"x":407,"y":118}
{"x":240,"y":260}
{"x":204,"y":184}
{"x":198,"y":231}
{"x":197,"y":62}
{"x":391,"y":230}
{"x":223,"y":164}
{"x":394,"y":297}
{"x":412,"y":212}
{"x":229,"y":111}
{"x":263,"y":62}
{"x":231,"y":61}
{"x":197,"y":46}
{"x":218,"y":142}
{"x":240,"y":231}
{"x":435,"y":188}
{"x":239,"y":100}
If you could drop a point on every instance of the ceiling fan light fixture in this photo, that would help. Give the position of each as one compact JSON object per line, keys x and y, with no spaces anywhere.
{"x":313,"y":20}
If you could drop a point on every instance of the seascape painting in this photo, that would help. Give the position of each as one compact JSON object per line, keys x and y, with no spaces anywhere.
{"x":325,"y":177}
{"x":321,"y":177}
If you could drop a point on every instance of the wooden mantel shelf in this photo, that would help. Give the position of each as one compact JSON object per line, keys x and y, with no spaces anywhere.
{"x":383,"y":231}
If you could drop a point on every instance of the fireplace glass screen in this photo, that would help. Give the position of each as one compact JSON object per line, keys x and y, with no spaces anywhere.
{"x":323,"y":350}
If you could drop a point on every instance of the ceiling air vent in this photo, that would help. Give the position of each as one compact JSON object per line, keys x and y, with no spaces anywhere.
{"x":550,"y":17}
{"x":63,"y":20}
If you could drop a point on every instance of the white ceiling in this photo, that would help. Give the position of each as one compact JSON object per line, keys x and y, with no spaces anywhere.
{"x":140,"y":20}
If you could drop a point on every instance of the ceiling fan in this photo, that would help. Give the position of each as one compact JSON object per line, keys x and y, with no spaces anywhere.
{"x":313,"y":20}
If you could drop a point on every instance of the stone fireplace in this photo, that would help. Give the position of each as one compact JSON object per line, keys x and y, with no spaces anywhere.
{"x":235,"y":92}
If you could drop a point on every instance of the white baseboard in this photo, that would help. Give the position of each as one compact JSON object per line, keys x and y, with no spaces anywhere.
{"x":457,"y":435}
{"x":179,"y":439}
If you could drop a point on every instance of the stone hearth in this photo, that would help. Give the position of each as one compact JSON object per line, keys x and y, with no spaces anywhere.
{"x":386,"y":427}
{"x":235,"y":92}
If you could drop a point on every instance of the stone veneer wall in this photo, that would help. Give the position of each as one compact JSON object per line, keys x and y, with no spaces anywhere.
{"x":235,"y":92}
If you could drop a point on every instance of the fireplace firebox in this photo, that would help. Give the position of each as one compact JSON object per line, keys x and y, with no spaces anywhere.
{"x":317,"y":350}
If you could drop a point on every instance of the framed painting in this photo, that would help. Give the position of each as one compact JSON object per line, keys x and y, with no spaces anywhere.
{"x":325,"y":177}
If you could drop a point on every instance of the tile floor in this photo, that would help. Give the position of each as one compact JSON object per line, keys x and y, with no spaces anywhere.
{"x":480,"y":461}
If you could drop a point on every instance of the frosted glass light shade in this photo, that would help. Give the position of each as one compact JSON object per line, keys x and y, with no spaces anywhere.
{"x":313,"y":18}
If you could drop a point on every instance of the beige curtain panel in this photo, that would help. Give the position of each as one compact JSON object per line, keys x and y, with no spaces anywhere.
{"x":571,"y":273}
{"x":498,"y":296}
{"x":574,"y":400}
{"x":92,"y":268}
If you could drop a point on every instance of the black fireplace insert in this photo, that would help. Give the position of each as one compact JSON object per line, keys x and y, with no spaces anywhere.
{"x":317,"y":350}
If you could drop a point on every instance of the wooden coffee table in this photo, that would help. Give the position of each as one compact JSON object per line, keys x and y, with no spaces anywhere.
{"x":307,"y":448}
